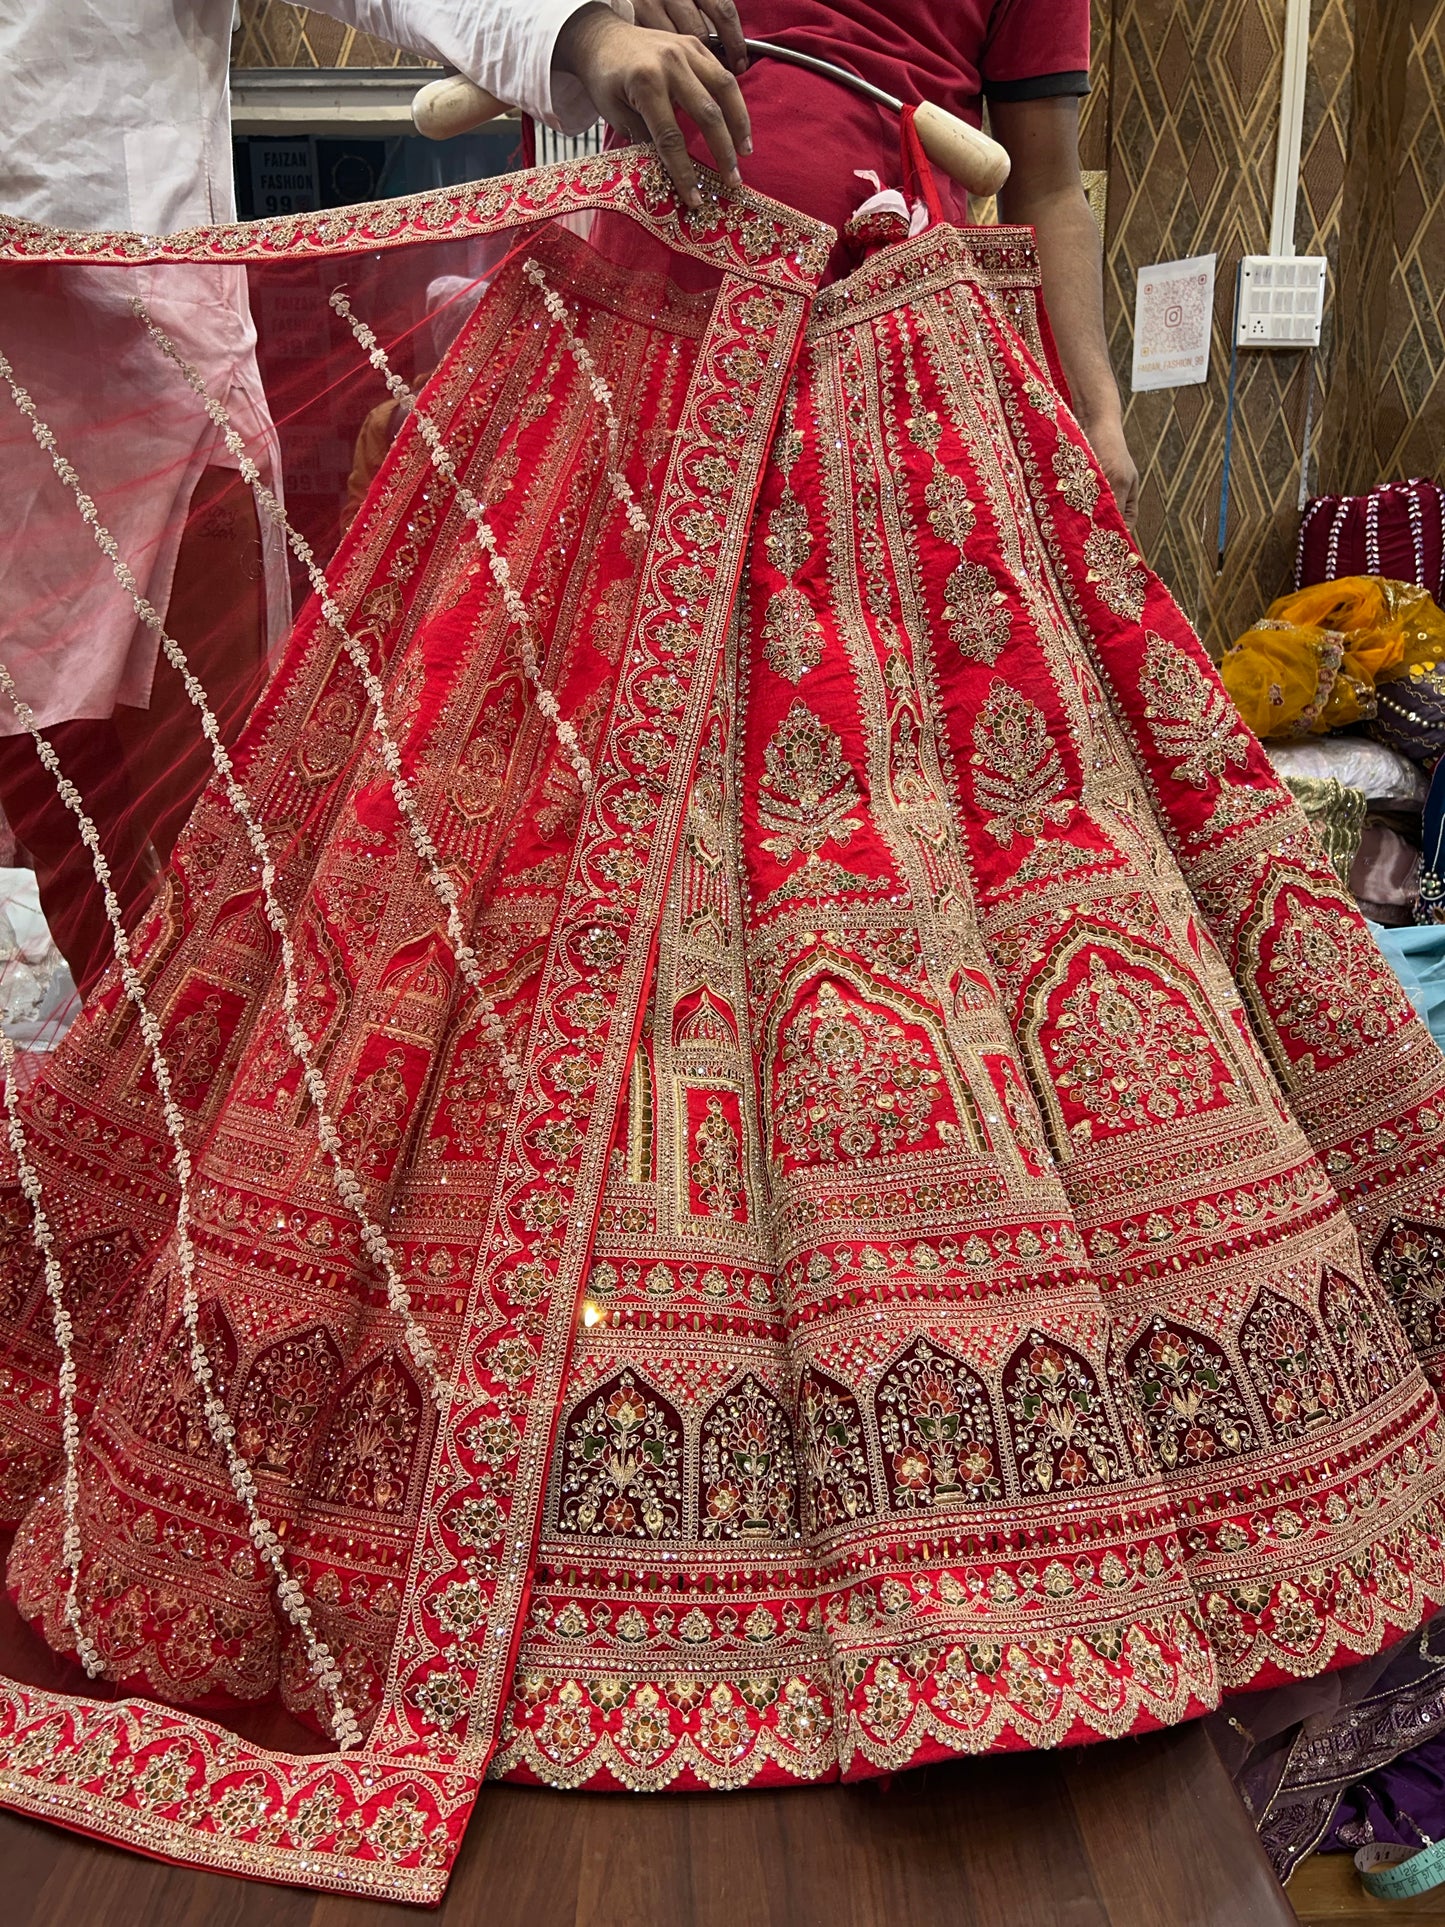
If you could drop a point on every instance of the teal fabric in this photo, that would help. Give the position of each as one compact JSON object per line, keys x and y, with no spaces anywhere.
{"x":1416,"y":954}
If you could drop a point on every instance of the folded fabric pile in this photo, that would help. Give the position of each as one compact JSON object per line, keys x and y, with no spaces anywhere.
{"x":1329,"y":656}
{"x":1344,"y":681}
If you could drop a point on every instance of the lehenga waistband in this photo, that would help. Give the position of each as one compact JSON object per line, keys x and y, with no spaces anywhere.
{"x":990,"y":257}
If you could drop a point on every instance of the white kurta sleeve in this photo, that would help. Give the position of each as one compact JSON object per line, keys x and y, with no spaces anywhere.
{"x":503,"y":45}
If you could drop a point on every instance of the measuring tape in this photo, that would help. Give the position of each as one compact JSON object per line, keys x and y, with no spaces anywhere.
{"x":1399,"y":1873}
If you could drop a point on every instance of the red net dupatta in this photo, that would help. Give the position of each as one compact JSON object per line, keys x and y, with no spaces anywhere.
{"x":622,"y":524}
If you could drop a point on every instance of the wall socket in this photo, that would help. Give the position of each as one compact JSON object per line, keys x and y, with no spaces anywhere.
{"x":1281,"y":301}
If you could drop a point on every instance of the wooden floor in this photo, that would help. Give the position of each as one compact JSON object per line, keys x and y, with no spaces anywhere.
{"x":1146,"y":1833}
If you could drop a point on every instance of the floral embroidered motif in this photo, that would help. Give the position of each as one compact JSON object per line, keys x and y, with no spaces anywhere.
{"x":1328,"y":983}
{"x":622,"y":1465}
{"x":1078,"y":479}
{"x":977,"y":612}
{"x":1353,"y":1320}
{"x":1020,"y":775}
{"x":851,"y":1082}
{"x":374,"y":1122}
{"x":1129,"y":1051}
{"x":287,"y":1387}
{"x":1190,"y":715}
{"x":792,"y":634}
{"x":367,"y":1459}
{"x":168,"y":1408}
{"x":1118,"y":576}
{"x":1061,"y":1427}
{"x":475,"y":1102}
{"x":951,"y":514}
{"x":193,"y":1050}
{"x":1410,"y":1258}
{"x":789,"y":540}
{"x":748,"y":1476}
{"x":1289,"y":1366}
{"x":1187,"y":1392}
{"x":717,"y":1163}
{"x":833,"y":1460}
{"x":937,"y":1431}
{"x":808,"y":788}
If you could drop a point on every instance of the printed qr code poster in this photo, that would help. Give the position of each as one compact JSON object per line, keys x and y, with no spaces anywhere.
{"x":1173,"y":320}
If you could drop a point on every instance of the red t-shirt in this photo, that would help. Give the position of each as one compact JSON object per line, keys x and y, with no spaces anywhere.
{"x":952,"y":52}
{"x":810,"y":134}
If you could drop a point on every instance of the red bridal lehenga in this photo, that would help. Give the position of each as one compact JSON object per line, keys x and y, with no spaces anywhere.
{"x":868,"y":1198}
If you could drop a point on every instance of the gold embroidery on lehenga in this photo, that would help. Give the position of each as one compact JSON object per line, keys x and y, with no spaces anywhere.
{"x":851,"y":1082}
{"x":1190,"y":716}
{"x":748,"y":1477}
{"x":977,"y":612}
{"x":1129,"y":1052}
{"x":809,"y":788}
{"x":717,"y":1165}
{"x":1020,"y":779}
{"x":1078,"y":480}
{"x":937,"y":1430}
{"x":1189,"y":1396}
{"x":1116,"y":572}
{"x":621,"y":1464}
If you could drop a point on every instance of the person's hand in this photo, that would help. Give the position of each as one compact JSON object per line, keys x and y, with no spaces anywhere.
{"x":1106,"y":437}
{"x":710,"y":21}
{"x":637,"y":78}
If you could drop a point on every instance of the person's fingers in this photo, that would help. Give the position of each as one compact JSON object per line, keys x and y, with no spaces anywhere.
{"x":652,"y":99}
{"x":651,"y":13}
{"x":724,"y":89}
{"x":691,"y":93}
{"x":684,"y":16}
{"x":723,"y":16}
{"x":631,"y":126}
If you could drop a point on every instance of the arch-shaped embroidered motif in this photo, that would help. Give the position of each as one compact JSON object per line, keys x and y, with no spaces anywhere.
{"x":167,"y":1407}
{"x":748,"y":1478}
{"x":1290,"y":1364}
{"x":1358,"y":1327}
{"x":285,"y":1393}
{"x":1410,"y":1258}
{"x":366,"y":1461}
{"x":936,"y":1424}
{"x":1189,"y":1395}
{"x":1063,"y":1432}
{"x":1315,"y":979}
{"x":621,"y":1452}
{"x":103,"y":1273}
{"x":857,"y":1071}
{"x":832,"y":1453}
{"x":1118,"y":1037}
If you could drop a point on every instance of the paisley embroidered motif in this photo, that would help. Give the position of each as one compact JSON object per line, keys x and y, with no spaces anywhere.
{"x":792,"y":634}
{"x":808,"y":790}
{"x":1020,"y":780}
{"x":1116,"y":573}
